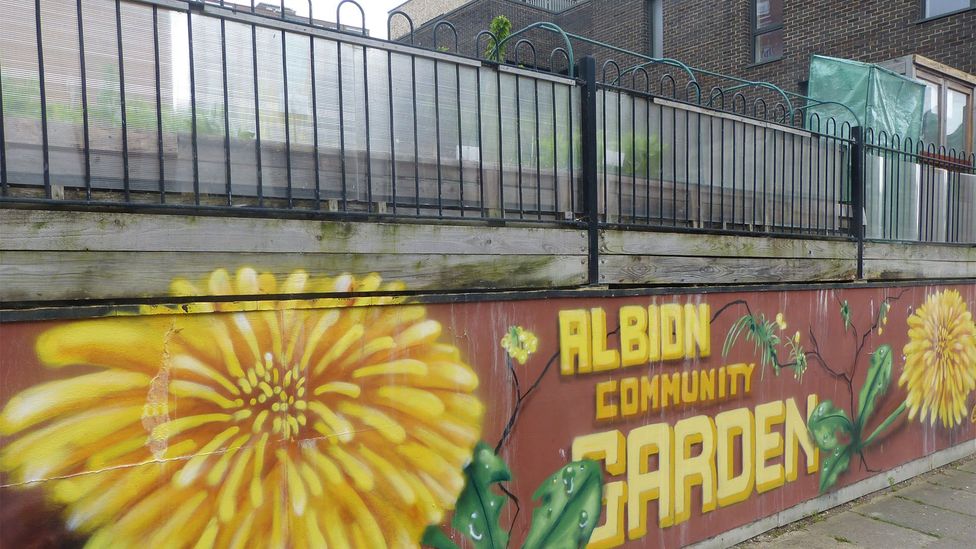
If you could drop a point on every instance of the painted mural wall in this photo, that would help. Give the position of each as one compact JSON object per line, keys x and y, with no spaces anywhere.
{"x":648,"y":420}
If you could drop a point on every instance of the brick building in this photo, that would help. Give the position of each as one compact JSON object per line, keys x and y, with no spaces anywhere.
{"x":933,"y":41}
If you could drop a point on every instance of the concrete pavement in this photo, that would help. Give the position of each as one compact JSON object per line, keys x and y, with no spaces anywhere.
{"x":936,"y":509}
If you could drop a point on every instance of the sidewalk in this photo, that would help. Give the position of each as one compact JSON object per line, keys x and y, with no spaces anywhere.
{"x":936,"y":509}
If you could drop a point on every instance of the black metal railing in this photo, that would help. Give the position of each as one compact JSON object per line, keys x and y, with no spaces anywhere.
{"x":217,"y":106}
{"x":248,"y":107}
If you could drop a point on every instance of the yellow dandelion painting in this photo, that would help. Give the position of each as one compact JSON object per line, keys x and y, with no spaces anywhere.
{"x":339,"y":423}
{"x":940,"y":359}
{"x":519,"y":343}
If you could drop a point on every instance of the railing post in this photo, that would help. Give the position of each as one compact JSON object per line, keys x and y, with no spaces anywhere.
{"x":857,"y":195}
{"x":588,"y":129}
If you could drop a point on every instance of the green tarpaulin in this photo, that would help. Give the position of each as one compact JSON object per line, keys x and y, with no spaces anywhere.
{"x":881,"y":99}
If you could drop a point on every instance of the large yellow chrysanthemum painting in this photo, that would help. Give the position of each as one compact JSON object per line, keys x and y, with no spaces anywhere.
{"x":256,"y":424}
{"x":940,"y":359}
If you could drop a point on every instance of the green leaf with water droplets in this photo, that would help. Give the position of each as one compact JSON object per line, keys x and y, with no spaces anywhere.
{"x":435,"y":538}
{"x":875,"y":385}
{"x":570,"y":501}
{"x":478,"y":508}
{"x":830,"y":426}
{"x":835,"y":464}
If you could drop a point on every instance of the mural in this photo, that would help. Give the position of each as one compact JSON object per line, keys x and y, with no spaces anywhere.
{"x":369,"y":419}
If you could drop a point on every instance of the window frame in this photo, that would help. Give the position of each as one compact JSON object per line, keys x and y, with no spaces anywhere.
{"x":755,"y":32}
{"x":946,"y":82}
{"x":923,"y":4}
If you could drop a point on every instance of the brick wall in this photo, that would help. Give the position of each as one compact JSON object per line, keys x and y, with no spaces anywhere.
{"x":717,"y":36}
{"x":598,"y":19}
{"x":420,"y":11}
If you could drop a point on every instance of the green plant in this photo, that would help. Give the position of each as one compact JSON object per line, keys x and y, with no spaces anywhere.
{"x":570,"y":502}
{"x":501,"y":28}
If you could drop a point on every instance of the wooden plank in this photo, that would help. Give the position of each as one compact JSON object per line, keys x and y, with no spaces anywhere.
{"x":902,"y":269}
{"x":929,"y":251}
{"x":53,"y":275}
{"x":25,"y":230}
{"x":709,"y":245}
{"x":721,"y":270}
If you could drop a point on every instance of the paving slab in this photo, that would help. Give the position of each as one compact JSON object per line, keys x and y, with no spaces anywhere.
{"x":930,"y":520}
{"x":969,"y":466}
{"x":801,"y":538}
{"x":949,"y":543}
{"x":861,"y":531}
{"x":955,"y":478}
{"x":941,"y":496}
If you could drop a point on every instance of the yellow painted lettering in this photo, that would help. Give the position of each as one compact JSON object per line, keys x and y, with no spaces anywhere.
{"x":574,"y":342}
{"x":693,"y":470}
{"x":769,"y":444}
{"x":730,"y":425}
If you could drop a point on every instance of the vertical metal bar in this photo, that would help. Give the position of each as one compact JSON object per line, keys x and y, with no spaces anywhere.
{"x":538,"y":165}
{"x":793,"y":184}
{"x":555,"y":155}
{"x":457,"y":81}
{"x":393,"y":160}
{"x":369,"y":155}
{"x":688,"y":169}
{"x":518,"y":144}
{"x":3,"y":145}
{"x":857,"y":195}
{"x":735,"y":156}
{"x":125,"y":127}
{"x":603,"y":153}
{"x":257,"y":113}
{"x":416,"y":144}
{"x":159,"y":108}
{"x":481,"y":159}
{"x":84,"y":93}
{"x":647,"y":161}
{"x":315,"y":120}
{"x":572,"y":147}
{"x":43,"y":99}
{"x":501,"y":150}
{"x":620,"y":159}
{"x":342,"y":131}
{"x":437,"y":141}
{"x":587,"y":70}
{"x":674,"y":167}
{"x":284,"y":81}
{"x":721,"y":173}
{"x":698,"y":165}
{"x":755,"y":169}
{"x":193,"y":110}
{"x":633,"y":158}
{"x":223,"y":67}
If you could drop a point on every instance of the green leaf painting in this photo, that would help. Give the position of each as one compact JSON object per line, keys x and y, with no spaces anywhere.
{"x":836,"y":463}
{"x":435,"y":538}
{"x":845,"y":313}
{"x":830,"y":426}
{"x":570,"y":503}
{"x":478,"y":508}
{"x":569,"y":507}
{"x":876,"y":384}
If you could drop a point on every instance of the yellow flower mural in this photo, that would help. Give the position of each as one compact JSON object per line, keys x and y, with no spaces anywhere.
{"x":519,"y":343}
{"x":264,"y":424}
{"x":940,"y":359}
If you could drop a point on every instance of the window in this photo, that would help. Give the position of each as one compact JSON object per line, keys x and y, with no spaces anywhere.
{"x":949,"y":108}
{"x":767,"y":30}
{"x":947,"y":116}
{"x":935,"y":8}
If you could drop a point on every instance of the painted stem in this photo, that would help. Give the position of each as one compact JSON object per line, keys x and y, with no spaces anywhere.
{"x":891,"y":419}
